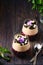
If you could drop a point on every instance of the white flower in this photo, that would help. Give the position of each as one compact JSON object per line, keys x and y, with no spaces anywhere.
{"x":17,"y":38}
{"x":25,"y":41}
{"x":33,"y":21}
{"x":25,"y":24}
{"x":34,"y":26}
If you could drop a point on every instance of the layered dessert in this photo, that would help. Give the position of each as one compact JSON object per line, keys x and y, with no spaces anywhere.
{"x":20,"y":44}
{"x":30,"y":28}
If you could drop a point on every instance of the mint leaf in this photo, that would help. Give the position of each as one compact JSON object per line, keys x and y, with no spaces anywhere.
{"x":4,"y":50}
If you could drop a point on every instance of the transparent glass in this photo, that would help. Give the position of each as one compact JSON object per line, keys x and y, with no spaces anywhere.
{"x":41,"y":22}
{"x":41,"y":18}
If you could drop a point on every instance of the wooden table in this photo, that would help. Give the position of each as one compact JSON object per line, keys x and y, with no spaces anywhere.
{"x":12,"y":15}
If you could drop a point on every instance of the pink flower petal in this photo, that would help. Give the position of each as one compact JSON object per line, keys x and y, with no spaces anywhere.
{"x":29,"y":23}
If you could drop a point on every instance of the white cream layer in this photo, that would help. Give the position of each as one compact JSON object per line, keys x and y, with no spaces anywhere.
{"x":30,"y":32}
{"x":17,"y":47}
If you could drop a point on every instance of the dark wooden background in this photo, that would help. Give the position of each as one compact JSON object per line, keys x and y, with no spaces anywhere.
{"x":12,"y":15}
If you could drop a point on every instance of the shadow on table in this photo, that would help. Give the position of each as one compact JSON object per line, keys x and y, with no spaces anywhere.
{"x":24,"y":55}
